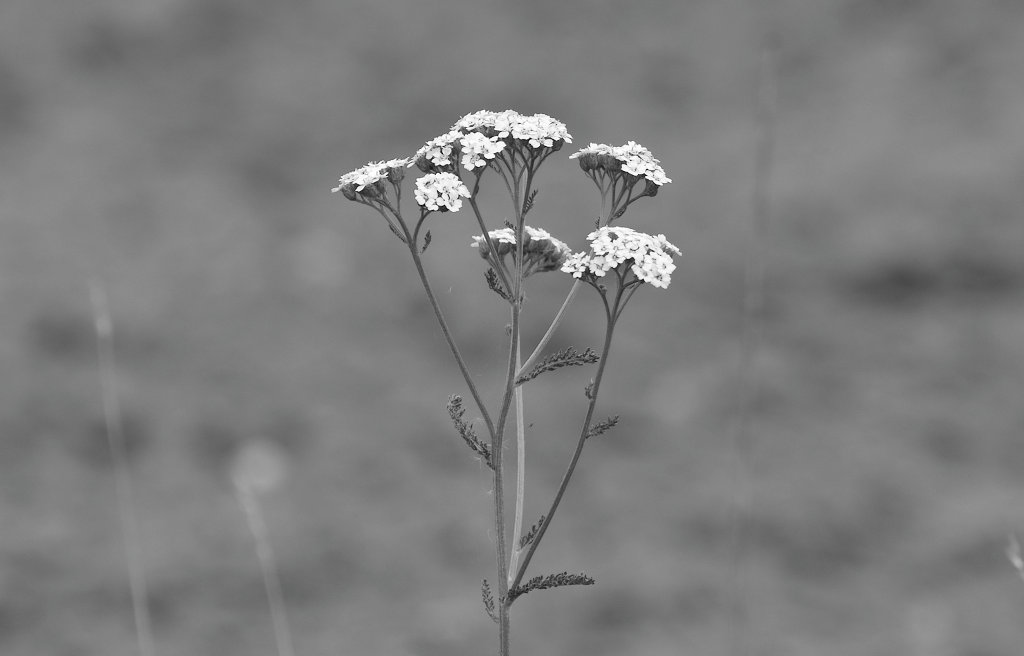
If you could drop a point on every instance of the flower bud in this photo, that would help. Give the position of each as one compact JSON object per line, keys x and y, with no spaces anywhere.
{"x":348,"y":190}
{"x":396,"y":174}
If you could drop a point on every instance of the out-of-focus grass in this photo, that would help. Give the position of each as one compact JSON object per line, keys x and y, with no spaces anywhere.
{"x":183,"y":151}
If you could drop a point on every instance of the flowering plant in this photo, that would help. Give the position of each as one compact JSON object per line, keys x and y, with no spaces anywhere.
{"x":512,"y":146}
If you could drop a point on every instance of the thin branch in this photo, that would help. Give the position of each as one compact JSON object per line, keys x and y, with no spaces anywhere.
{"x":122,"y":481}
{"x":271,"y":584}
{"x":585,"y":431}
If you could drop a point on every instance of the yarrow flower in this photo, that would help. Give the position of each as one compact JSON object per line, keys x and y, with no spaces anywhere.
{"x":539,"y":130}
{"x":541,"y":251}
{"x":371,"y":176}
{"x":437,"y":152}
{"x":477,"y":149}
{"x":479,"y":136}
{"x":631,"y":158}
{"x":612,"y":247}
{"x":440,"y":191}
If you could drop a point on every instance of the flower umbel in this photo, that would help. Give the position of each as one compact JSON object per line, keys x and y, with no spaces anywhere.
{"x":618,"y":169}
{"x":368,"y":181}
{"x":541,"y":251}
{"x":649,"y":257}
{"x":440,"y":192}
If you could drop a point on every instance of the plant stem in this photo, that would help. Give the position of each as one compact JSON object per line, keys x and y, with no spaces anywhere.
{"x":550,"y":331}
{"x":501,"y":552}
{"x":517,"y":531}
{"x":271,"y":584}
{"x":610,"y":314}
{"x":451,"y":341}
{"x":122,"y":481}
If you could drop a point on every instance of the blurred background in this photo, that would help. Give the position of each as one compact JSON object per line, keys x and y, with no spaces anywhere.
{"x":181,"y":154}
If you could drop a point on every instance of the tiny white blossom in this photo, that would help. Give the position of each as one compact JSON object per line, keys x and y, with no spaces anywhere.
{"x":499,"y":236}
{"x":650,"y":257}
{"x":437,"y":191}
{"x":631,"y":157}
{"x":438,"y":151}
{"x":539,"y":130}
{"x":541,"y":251}
{"x":363,"y":176}
{"x":477,"y":149}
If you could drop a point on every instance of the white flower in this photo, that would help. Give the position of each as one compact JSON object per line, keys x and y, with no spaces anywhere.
{"x":437,"y":191}
{"x":477,"y":149}
{"x":499,"y":236}
{"x":369,"y":174}
{"x":541,"y":251}
{"x":438,"y":151}
{"x":650,"y":257}
{"x":631,"y":157}
{"x":539,"y":130}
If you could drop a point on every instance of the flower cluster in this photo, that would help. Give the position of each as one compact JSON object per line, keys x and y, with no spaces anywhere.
{"x":367,"y":181}
{"x":440,"y":191}
{"x":477,"y":149}
{"x":541,"y":251}
{"x":539,"y":130}
{"x":630,"y":158}
{"x":482,"y":135}
{"x":612,"y":247}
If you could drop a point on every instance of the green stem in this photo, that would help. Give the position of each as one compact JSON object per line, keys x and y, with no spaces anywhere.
{"x":122,"y":481}
{"x":501,"y":552}
{"x":550,"y":331}
{"x":451,"y":341}
{"x":610,"y":314}
{"x":517,"y":532}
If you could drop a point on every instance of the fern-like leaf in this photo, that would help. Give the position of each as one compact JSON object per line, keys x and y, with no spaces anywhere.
{"x":532,"y":533}
{"x":426,"y":242}
{"x":567,"y":357}
{"x":528,"y":203}
{"x":485,"y":592}
{"x":495,"y":285}
{"x":602,"y":426}
{"x":397,"y":234}
{"x":549,"y":581}
{"x":465,"y":431}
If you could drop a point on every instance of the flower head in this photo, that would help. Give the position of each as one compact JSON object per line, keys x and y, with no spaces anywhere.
{"x":630,"y":158}
{"x":477,"y":149}
{"x":541,"y":251}
{"x":436,"y":154}
{"x":440,"y":192}
{"x":367,"y":181}
{"x":649,"y":257}
{"x":538,"y":130}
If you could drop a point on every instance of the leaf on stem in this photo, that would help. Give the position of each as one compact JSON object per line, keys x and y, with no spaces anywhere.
{"x":589,"y":389}
{"x":426,"y":242}
{"x":602,"y":426}
{"x":485,"y":591}
{"x":528,"y":203}
{"x":567,"y":357}
{"x":398,"y":234}
{"x":549,"y":581}
{"x":466,"y":431}
{"x":495,"y":285}
{"x":530,"y":534}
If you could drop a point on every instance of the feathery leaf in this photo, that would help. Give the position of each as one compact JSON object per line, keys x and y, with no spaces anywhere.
{"x":465,"y":431}
{"x":530,"y":534}
{"x":549,"y":581}
{"x":567,"y":357}
{"x":485,"y":591}
{"x":495,"y":285}
{"x":602,"y":426}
